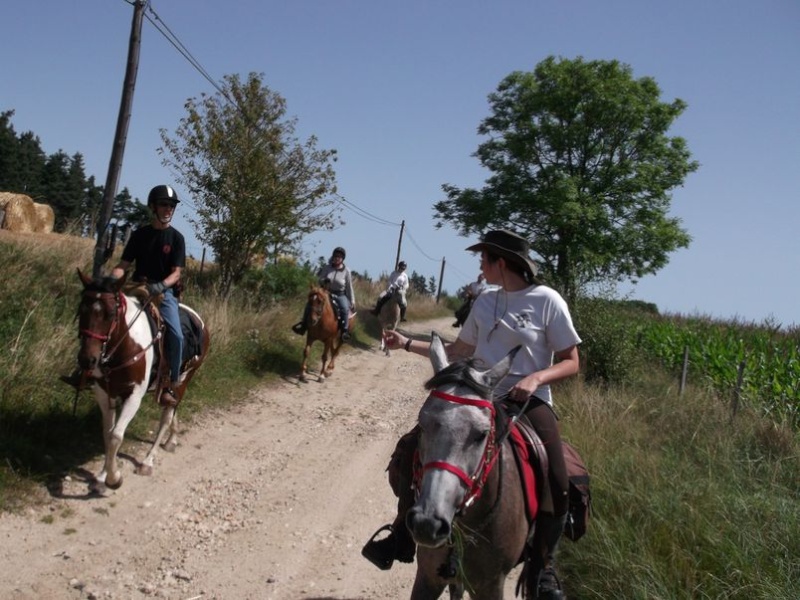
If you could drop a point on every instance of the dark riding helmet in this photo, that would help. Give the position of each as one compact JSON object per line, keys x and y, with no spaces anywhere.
{"x":162,"y":192}
{"x":402,"y":264}
{"x":339,"y":250}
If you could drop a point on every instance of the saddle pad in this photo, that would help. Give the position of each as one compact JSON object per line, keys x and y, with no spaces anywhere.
{"x":522,"y":453}
{"x":192,"y":336}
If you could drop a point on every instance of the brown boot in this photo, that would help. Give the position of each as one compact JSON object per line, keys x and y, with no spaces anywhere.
{"x":75,"y":379}
{"x":168,"y":398}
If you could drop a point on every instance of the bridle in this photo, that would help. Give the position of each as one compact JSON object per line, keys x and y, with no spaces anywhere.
{"x":317,"y":300}
{"x":120,"y":307}
{"x":473,"y":483}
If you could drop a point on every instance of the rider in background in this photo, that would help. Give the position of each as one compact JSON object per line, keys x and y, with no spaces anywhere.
{"x":521,"y":311}
{"x":398,"y":281}
{"x":335,"y":277}
{"x":472,"y":291}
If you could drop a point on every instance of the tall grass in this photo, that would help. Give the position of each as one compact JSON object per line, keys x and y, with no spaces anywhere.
{"x":688,"y":502}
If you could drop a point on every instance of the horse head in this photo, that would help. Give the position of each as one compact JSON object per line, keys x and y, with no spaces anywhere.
{"x":458,"y":443}
{"x":318,"y":300}
{"x":101,"y":318}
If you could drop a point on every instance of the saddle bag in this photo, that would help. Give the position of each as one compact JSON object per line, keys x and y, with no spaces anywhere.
{"x":580,"y":496}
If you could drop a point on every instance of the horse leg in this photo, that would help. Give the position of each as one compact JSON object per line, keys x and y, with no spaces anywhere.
{"x":304,"y":366}
{"x":109,"y":415}
{"x":426,"y":588}
{"x":166,"y":421}
{"x":325,"y":371}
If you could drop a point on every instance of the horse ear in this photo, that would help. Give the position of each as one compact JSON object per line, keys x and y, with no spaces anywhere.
{"x":437,"y":353}
{"x":494,"y":375}
{"x":121,"y":281}
{"x":85,"y":279}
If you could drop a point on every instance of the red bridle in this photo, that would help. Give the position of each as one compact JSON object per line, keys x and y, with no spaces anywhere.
{"x":119,"y":311}
{"x":475,"y":482}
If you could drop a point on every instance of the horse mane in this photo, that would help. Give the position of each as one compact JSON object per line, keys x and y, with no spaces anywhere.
{"x":462,"y":372}
{"x":103,"y":285}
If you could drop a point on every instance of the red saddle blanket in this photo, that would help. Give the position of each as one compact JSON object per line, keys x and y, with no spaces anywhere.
{"x":522,"y":452}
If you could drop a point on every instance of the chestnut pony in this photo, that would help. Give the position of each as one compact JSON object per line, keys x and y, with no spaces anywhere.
{"x":322,"y":324}
{"x":118,"y":358}
{"x":469,"y":520}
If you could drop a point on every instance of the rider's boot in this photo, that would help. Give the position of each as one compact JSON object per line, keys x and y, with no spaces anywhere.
{"x":168,"y":395}
{"x":398,"y":545}
{"x":403,"y":312}
{"x":299,"y":328}
{"x":542,"y":581}
{"x":383,"y":299}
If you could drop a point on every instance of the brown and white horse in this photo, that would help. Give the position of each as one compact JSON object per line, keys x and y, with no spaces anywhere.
{"x":117,"y":356}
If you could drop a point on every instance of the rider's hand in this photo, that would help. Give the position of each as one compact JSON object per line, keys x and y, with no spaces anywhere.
{"x":156,"y":288}
{"x":393,"y":339}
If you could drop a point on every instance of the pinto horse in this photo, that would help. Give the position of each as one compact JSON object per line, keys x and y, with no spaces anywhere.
{"x":389,"y":316}
{"x":323,"y":325}
{"x":470,"y":520}
{"x":118,"y":358}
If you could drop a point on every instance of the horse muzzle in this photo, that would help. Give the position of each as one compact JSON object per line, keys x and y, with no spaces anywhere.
{"x":428,"y":529}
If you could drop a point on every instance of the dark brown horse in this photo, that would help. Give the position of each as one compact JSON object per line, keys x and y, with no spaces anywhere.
{"x":118,"y":358}
{"x":389,"y":316}
{"x":469,"y":520}
{"x":323,"y":325}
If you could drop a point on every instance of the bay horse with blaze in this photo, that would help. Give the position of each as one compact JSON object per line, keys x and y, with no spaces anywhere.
{"x":119,"y":360}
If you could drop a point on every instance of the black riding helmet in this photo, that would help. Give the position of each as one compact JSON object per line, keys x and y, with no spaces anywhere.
{"x":339,"y":250}
{"x":402,"y":264}
{"x":162,"y":192}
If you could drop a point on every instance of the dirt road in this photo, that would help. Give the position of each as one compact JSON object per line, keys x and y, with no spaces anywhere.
{"x":272,"y":501}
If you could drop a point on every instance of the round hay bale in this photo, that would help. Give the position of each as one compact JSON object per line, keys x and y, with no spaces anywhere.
{"x":45,"y":218}
{"x":20,"y":215}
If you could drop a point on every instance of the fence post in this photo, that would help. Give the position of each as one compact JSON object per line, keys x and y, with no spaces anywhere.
{"x":684,"y":370}
{"x":737,"y":392}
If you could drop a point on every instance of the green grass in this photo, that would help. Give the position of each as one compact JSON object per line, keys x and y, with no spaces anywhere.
{"x":688,"y":501}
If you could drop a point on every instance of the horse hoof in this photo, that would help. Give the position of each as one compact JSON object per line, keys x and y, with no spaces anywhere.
{"x":97,"y":488}
{"x":144,"y":470}
{"x":114,"y":486}
{"x":170,"y":447}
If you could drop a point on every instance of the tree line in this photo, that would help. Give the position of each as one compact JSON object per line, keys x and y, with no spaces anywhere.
{"x":60,"y":181}
{"x":578,"y":152}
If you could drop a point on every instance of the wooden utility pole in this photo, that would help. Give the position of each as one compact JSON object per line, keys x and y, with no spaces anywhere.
{"x":104,"y":246}
{"x":399,"y":244}
{"x":441,"y":278}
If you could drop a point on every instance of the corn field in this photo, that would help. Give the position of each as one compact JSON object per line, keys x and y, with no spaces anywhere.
{"x":769,"y":359}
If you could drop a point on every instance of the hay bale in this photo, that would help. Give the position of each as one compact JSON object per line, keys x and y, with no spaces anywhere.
{"x":45,"y":218}
{"x":20,"y":215}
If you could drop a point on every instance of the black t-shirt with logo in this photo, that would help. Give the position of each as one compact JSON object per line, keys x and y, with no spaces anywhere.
{"x":155,"y":252}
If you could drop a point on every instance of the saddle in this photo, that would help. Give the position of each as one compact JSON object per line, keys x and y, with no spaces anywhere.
{"x":191,"y":329}
{"x":533,"y":466}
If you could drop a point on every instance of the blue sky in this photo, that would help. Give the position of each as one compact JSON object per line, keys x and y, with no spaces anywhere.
{"x":400,"y":88}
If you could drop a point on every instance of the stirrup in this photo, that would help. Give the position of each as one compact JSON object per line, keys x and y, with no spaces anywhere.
{"x":375,"y":551}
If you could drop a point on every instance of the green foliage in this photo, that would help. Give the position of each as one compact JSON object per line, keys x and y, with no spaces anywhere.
{"x":608,"y":352}
{"x":276,"y":282}
{"x":256,"y":188}
{"x":582,"y":165}
{"x":57,"y":180}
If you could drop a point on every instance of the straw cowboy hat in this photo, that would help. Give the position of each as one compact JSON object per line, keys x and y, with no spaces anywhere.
{"x":508,"y":245}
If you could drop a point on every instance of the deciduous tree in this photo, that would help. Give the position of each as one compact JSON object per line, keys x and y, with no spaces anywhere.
{"x":254,"y":186}
{"x":581,"y":163}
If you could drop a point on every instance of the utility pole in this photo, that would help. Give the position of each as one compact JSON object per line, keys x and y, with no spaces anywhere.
{"x":399,"y":244}
{"x":441,"y":278}
{"x":104,"y":246}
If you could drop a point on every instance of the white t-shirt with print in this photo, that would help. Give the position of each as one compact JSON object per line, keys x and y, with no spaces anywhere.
{"x":536,"y":317}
